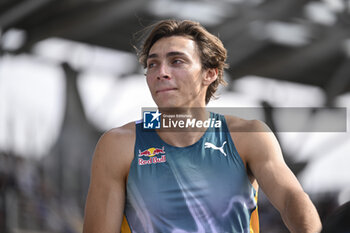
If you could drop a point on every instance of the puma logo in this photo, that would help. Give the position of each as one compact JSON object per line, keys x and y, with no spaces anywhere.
{"x":212,"y":146}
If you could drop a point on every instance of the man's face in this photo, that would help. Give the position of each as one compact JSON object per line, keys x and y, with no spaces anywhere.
{"x":174,"y":73}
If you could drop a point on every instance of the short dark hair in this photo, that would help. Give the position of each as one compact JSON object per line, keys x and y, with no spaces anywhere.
{"x":211,"y":50}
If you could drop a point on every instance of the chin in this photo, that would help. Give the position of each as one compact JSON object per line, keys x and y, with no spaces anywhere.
{"x":166,"y":105}
{"x":165,"y":102}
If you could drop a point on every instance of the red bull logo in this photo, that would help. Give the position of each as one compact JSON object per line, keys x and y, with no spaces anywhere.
{"x":151,"y":152}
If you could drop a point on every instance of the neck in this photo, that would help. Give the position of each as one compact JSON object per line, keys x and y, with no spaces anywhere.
{"x":199,"y":113}
{"x":182,"y":136}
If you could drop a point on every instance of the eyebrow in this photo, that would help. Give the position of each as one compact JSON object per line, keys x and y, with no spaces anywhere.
{"x":170,"y":54}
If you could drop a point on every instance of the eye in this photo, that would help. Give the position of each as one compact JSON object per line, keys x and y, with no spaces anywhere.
{"x":151,"y":65}
{"x":177,"y":61}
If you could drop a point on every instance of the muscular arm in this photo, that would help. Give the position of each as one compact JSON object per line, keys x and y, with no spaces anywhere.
{"x":262,"y":155}
{"x":110,"y":166}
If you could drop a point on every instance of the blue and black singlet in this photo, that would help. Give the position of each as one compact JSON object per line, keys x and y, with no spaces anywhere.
{"x":200,"y":188}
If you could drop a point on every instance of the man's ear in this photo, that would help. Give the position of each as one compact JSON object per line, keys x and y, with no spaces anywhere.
{"x":210,"y":76}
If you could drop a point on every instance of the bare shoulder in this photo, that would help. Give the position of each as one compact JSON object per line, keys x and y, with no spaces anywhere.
{"x":236,"y":124}
{"x":121,"y":134}
{"x":115,"y":149}
{"x":120,"y":139}
{"x":252,"y":138}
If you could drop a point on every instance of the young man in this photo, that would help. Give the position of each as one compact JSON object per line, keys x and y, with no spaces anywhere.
{"x":190,"y":180}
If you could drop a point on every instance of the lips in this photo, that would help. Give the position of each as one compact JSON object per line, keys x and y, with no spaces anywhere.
{"x":166,"y":89}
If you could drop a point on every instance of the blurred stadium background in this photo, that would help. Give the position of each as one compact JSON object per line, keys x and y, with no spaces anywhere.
{"x":68,"y":72}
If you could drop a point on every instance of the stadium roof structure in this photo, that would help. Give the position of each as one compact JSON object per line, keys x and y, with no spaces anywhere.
{"x":299,"y":41}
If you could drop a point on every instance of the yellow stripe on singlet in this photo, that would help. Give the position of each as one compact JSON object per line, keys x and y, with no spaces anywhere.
{"x":254,"y":217}
{"x":125,"y":226}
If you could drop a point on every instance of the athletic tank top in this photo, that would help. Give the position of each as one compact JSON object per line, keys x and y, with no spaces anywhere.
{"x":199,"y":188}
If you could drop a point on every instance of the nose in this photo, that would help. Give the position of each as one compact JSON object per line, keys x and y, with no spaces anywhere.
{"x":163,"y":72}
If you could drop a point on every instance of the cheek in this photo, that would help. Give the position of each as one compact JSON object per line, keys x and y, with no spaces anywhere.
{"x":196,"y":80}
{"x":149,"y":83}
